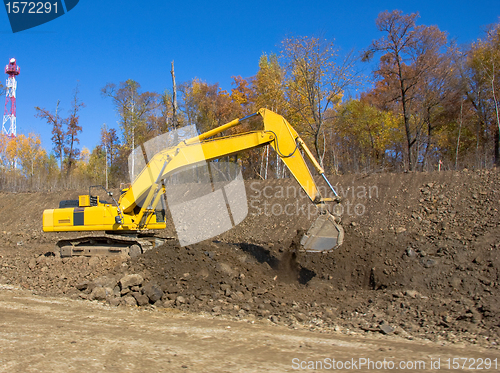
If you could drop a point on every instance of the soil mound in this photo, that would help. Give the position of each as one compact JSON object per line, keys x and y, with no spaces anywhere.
{"x":420,"y":259}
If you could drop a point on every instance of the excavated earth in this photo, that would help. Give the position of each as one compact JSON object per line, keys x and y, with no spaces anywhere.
{"x":420,"y":260}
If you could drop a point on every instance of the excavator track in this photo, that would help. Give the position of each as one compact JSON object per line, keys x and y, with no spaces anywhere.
{"x":110,"y":245}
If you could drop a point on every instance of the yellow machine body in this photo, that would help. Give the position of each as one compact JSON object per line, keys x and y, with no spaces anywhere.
{"x":130,"y":215}
{"x":93,"y":218}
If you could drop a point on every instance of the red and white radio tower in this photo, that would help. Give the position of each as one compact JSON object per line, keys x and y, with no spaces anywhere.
{"x":12,"y":70}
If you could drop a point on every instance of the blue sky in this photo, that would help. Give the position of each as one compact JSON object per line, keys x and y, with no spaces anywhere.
{"x":112,"y":41}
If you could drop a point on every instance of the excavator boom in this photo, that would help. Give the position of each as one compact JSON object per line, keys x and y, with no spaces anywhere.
{"x":137,"y":208}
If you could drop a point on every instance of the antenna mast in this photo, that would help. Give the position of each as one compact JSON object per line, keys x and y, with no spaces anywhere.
{"x":12,"y":70}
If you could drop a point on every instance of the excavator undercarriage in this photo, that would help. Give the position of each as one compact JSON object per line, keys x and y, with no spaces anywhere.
{"x":110,"y":244}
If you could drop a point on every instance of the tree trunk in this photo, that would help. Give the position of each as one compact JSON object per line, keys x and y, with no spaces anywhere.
{"x":459,"y":133}
{"x":409,"y":141}
{"x":174,"y":98}
{"x":497,"y":131}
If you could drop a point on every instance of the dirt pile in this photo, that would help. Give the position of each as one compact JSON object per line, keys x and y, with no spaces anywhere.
{"x":420,"y":259}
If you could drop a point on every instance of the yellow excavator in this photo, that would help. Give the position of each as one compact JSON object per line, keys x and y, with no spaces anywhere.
{"x":129,"y":222}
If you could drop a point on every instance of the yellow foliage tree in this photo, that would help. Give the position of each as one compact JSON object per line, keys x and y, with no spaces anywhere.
{"x":367,"y":136}
{"x":315,"y":79}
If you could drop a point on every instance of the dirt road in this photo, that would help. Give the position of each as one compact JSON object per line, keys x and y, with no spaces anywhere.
{"x":417,"y":282}
{"x":45,"y":334}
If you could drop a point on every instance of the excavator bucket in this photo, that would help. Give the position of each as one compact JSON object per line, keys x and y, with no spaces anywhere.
{"x":324,"y":235}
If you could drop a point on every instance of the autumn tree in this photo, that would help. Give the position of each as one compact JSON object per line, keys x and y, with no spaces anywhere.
{"x":366,"y":137}
{"x":483,"y":85}
{"x":409,"y":52}
{"x":95,"y":168}
{"x":243,"y":95}
{"x":269,"y":85}
{"x":30,"y":153}
{"x":207,"y":105}
{"x":58,"y":132}
{"x":110,"y":145}
{"x":315,"y":79}
{"x":24,"y":164}
{"x":72,"y":131}
{"x":435,"y":106}
{"x":134,"y":109}
{"x":8,"y":152}
{"x":65,"y":131}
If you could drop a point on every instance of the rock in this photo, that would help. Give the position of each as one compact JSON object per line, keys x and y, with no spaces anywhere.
{"x":261,"y":291}
{"x":455,"y":282}
{"x":152,"y":291}
{"x":180,"y":300}
{"x":82,"y":285}
{"x":109,"y":292}
{"x":98,"y":293}
{"x":412,"y":293}
{"x":32,"y":263}
{"x":267,"y":266}
{"x":225,"y":268}
{"x":142,"y":300}
{"x":428,"y":262}
{"x":168,"y":296}
{"x":128,"y":300}
{"x":114,"y":301}
{"x":105,"y":281}
{"x":410,"y":252}
{"x":168,"y":303}
{"x":131,"y":280}
{"x":400,"y":230}
{"x":478,"y":260}
{"x":300,"y":317}
{"x":386,"y":328}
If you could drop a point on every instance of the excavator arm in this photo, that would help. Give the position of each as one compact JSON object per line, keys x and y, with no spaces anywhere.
{"x":137,"y":210}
